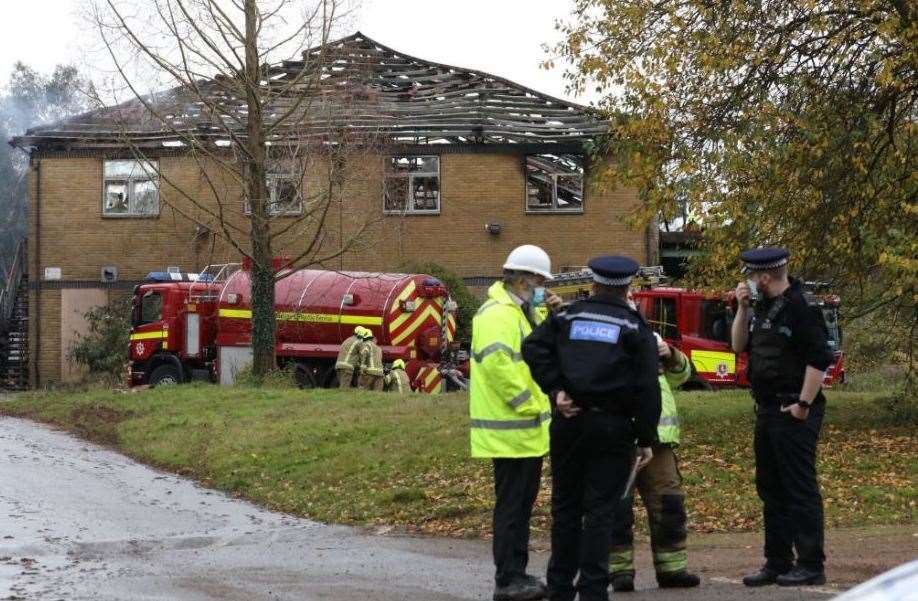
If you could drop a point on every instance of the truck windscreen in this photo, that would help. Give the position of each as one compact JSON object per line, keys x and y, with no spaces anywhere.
{"x":830,"y":315}
{"x":150,"y":309}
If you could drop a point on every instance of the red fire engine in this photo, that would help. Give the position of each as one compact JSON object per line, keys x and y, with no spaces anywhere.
{"x":699,"y":325}
{"x":198,"y":327}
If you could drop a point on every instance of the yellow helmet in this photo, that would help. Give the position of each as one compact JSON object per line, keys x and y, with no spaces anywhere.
{"x":363,"y":333}
{"x":398,"y":364}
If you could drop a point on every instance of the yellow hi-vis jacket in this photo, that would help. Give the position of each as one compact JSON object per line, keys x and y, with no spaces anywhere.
{"x":510,"y":413}
{"x":668,"y":429}
{"x":398,"y":381}
{"x":347,"y":356}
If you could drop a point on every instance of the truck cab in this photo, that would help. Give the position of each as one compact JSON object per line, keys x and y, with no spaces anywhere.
{"x":173,"y":316}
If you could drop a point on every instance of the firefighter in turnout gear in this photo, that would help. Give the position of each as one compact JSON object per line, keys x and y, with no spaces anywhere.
{"x":598,"y":362}
{"x":788,"y":358}
{"x":397,"y":379}
{"x":348,"y":356}
{"x":660,"y":486}
{"x":370,"y":363}
{"x":510,"y":414}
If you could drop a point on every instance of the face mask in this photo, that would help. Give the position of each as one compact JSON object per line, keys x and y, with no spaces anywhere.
{"x":538,"y":296}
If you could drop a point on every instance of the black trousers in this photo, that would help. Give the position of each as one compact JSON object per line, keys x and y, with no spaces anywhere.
{"x":591,"y":457}
{"x":516,"y":485}
{"x":785,"y":477}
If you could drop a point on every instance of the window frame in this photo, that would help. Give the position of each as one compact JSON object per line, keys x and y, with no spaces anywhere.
{"x":409,"y":176}
{"x":271,"y":179}
{"x":129,"y":182}
{"x":555,"y":209}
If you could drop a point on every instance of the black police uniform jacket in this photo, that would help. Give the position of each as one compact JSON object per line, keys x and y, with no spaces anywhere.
{"x":604,"y":355}
{"x":786,"y":336}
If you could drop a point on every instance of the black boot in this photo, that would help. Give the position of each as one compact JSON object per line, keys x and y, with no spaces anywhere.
{"x":521,"y":589}
{"x":623,"y":583}
{"x":801,"y":576}
{"x":763,"y":577}
{"x":681,"y":579}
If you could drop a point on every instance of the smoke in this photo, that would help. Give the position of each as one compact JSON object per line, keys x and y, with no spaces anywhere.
{"x":29,"y":99}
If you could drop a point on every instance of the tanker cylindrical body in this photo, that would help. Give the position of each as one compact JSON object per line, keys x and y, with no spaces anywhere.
{"x":317,"y":310}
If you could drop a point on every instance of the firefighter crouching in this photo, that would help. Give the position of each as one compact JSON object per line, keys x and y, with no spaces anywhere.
{"x":660,"y":486}
{"x":370,"y":362}
{"x":397,"y":379}
{"x":348,"y":356}
{"x":598,"y":361}
{"x":510,"y":414}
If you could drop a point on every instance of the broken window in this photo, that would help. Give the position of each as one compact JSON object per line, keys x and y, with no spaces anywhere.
{"x":412,"y":185}
{"x":554,"y":183}
{"x":130,"y":189}
{"x":284,"y":196}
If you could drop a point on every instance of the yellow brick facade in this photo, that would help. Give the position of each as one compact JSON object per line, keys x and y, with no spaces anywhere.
{"x":67,"y":230}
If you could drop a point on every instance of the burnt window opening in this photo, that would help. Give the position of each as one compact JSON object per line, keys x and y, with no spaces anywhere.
{"x":554,"y":183}
{"x":285,"y":196}
{"x":130,"y":189}
{"x":412,"y":185}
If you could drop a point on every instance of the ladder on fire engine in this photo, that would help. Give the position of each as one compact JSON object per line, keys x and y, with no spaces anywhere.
{"x":208,"y":284}
{"x":572,"y":285}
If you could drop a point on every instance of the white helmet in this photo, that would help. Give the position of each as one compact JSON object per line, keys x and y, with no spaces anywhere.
{"x":530,"y":259}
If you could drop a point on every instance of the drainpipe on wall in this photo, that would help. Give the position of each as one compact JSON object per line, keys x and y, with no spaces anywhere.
{"x":37,"y":262}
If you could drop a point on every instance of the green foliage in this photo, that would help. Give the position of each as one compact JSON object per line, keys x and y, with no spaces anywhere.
{"x":788,"y":122}
{"x":458,"y":291}
{"x":279,"y":378}
{"x":103,"y":349}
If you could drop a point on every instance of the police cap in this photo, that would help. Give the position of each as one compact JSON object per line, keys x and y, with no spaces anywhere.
{"x":613,"y":270}
{"x":763,"y":259}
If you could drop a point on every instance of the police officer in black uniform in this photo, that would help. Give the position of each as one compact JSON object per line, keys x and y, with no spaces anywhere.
{"x":788,"y":357}
{"x":597,"y":360}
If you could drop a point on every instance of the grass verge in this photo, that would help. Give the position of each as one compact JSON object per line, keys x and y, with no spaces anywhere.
{"x":375,"y":459}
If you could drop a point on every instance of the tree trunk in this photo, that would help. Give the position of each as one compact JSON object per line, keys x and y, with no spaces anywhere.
{"x":262,"y":276}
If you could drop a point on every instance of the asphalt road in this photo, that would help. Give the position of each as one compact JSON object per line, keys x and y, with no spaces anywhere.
{"x":81,"y":522}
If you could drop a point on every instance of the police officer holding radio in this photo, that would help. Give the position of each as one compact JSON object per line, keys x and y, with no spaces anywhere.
{"x":788,"y":358}
{"x":597,"y":361}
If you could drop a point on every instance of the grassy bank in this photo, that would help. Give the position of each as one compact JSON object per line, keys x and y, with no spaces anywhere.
{"x":373,"y":459}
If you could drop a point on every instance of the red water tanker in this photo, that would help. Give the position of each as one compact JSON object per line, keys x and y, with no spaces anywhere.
{"x":185,"y":330}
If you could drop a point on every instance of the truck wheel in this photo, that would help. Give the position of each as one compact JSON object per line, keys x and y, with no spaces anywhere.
{"x":305,"y":376}
{"x":165,"y":375}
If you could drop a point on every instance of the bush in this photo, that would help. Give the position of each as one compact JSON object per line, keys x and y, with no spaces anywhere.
{"x":276,"y":378}
{"x":103,"y":349}
{"x":458,"y":291}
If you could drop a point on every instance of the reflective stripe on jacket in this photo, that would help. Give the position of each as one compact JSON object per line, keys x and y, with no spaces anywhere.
{"x":398,"y":381}
{"x":509,"y":412}
{"x":347,"y":356}
{"x":371,"y":359}
{"x":669,"y":430}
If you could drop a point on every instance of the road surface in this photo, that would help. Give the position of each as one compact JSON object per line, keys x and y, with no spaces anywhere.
{"x":78,"y":521}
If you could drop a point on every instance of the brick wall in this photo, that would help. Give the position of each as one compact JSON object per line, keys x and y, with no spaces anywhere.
{"x":475,"y":189}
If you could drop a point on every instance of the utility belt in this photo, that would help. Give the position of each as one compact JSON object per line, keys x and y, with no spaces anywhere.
{"x":603,"y":405}
{"x":771,"y":402}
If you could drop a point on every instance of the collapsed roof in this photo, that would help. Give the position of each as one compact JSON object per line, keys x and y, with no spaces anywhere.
{"x":356,"y":86}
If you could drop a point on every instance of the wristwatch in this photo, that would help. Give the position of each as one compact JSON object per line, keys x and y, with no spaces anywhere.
{"x":804,"y":404}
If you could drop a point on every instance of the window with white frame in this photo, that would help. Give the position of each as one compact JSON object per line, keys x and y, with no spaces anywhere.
{"x":284,"y":196}
{"x":412,"y":185}
{"x":554,"y":183}
{"x":130,"y":189}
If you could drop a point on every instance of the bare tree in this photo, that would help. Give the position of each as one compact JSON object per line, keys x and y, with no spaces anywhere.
{"x":256,"y":127}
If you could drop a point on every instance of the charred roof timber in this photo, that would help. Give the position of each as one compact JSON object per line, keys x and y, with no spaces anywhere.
{"x":362,"y":86}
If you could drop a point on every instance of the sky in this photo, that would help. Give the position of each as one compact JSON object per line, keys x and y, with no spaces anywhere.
{"x":502,"y":37}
